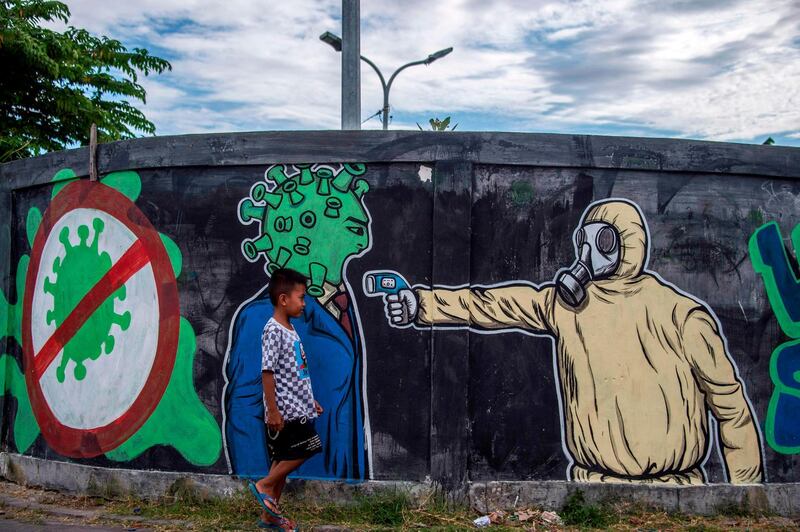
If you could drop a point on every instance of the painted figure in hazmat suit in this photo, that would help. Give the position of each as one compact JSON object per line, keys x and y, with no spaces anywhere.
{"x":640,"y":363}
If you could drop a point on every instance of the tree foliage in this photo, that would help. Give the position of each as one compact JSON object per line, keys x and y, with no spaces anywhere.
{"x":54,"y":85}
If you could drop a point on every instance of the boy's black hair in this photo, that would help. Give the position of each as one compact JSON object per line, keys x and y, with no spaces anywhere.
{"x":283,"y":281}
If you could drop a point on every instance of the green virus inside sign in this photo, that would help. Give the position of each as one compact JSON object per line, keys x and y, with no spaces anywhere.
{"x":81,"y":268}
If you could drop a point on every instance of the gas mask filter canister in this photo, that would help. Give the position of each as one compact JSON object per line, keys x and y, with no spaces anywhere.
{"x":598,"y":249}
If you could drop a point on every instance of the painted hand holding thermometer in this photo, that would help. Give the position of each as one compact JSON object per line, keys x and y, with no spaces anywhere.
{"x":400,"y":303}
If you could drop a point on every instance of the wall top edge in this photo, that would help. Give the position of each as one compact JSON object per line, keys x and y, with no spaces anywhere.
{"x":524,"y":149}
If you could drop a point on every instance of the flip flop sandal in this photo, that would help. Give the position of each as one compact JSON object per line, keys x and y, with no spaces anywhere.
{"x":283,"y":524}
{"x":261,"y":497}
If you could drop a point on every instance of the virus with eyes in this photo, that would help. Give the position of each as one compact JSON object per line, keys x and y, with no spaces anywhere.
{"x":310,"y":220}
{"x":81,"y":268}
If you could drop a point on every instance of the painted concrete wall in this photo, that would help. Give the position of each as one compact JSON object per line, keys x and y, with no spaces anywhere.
{"x":481,"y":306}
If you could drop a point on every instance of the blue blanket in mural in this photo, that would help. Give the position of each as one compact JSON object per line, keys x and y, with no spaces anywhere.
{"x":334,"y":361}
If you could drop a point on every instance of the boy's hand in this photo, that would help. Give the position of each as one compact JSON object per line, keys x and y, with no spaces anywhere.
{"x":318,"y":407}
{"x":275,"y":421}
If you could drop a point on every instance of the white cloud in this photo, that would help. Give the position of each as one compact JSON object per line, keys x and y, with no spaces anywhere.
{"x":717,"y":69}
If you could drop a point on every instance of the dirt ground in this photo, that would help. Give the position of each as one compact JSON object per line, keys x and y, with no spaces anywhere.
{"x":27,"y":509}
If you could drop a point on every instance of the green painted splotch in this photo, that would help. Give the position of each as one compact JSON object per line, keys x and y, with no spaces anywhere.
{"x":520,"y":193}
{"x":25,"y":427}
{"x":128,"y":183}
{"x":32,"y":223}
{"x":12,"y":324}
{"x":180,"y":419}
{"x":310,"y":221}
{"x":174,"y":254}
{"x":62,"y":178}
{"x":82,"y":267}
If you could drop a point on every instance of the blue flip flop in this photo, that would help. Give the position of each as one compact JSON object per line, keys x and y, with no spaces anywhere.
{"x":261,"y":497}
{"x":275,"y":526}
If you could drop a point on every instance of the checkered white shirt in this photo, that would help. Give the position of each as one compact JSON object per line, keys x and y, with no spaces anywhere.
{"x":282,"y":353}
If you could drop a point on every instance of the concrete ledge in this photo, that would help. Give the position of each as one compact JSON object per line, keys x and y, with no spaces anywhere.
{"x":118,"y":483}
{"x":111,"y":483}
{"x":777,"y":499}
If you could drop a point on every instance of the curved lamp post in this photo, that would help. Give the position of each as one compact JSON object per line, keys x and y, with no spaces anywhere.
{"x":336,"y":43}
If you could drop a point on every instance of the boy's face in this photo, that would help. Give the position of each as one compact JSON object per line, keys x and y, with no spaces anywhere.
{"x":295,"y":301}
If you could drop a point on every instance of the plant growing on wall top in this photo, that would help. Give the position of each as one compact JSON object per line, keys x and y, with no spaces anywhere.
{"x":439,"y":125}
{"x":56,"y":84}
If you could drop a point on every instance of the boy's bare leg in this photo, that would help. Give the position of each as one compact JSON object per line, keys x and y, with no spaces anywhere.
{"x":274,"y":482}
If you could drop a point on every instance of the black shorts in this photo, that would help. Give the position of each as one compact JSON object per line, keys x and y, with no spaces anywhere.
{"x":298,"y":440}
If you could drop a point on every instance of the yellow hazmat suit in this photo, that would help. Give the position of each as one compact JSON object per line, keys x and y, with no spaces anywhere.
{"x":640,"y":366}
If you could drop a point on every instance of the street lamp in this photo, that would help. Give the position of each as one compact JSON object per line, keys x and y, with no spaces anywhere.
{"x":336,"y":43}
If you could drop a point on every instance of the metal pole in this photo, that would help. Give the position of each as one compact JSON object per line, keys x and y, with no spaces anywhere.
{"x":351,"y":68}
{"x":385,"y":108}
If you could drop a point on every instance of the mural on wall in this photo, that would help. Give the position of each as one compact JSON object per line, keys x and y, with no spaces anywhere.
{"x":312,"y":220}
{"x":642,"y":365}
{"x":770,"y":260}
{"x":107,"y":363}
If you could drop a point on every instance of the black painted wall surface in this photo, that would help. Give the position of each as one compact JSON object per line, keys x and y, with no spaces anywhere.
{"x":446,"y":210}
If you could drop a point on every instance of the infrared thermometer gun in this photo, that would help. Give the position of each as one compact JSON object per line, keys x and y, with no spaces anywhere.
{"x":380,"y":283}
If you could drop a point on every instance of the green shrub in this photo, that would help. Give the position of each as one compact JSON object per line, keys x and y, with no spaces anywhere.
{"x":577,"y":512}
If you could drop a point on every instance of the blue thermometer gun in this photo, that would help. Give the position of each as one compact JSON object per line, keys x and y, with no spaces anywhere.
{"x":379,"y":283}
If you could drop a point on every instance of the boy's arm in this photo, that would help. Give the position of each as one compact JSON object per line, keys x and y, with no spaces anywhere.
{"x":725,"y":397}
{"x":274,"y":418}
{"x":270,"y":343}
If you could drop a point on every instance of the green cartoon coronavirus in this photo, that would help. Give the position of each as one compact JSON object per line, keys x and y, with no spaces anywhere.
{"x":179,"y":419}
{"x":81,"y":268}
{"x":311,"y":220}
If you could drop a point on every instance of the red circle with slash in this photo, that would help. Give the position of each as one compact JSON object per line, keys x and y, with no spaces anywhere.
{"x":146,"y":249}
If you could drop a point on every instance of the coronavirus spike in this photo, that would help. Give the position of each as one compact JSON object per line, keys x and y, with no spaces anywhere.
{"x":273,"y":199}
{"x":317,"y":274}
{"x":361,"y":188}
{"x":324,"y":186}
{"x":83,"y":234}
{"x":108,"y":346}
{"x":296,"y":197}
{"x":248,"y":211}
{"x":98,"y":226}
{"x":332,"y":206}
{"x":252,"y":248}
{"x":356,"y":169}
{"x":303,"y":246}
{"x":123,"y":320}
{"x":306,"y":177}
{"x":277,"y":174}
{"x":63,"y":237}
{"x":258,"y":191}
{"x":343,"y":180}
{"x":281,"y":259}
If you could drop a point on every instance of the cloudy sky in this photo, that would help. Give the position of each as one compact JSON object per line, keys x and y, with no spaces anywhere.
{"x":724,"y":70}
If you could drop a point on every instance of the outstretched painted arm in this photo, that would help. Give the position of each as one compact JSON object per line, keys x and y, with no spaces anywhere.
{"x":513,"y":306}
{"x":725,"y":397}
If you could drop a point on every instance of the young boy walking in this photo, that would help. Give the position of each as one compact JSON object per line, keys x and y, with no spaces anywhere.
{"x":289,"y":405}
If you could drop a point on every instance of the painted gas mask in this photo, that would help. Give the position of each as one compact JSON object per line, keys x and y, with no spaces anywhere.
{"x":598,"y":248}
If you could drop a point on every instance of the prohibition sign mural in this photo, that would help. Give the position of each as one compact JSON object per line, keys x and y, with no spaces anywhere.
{"x":100,"y":320}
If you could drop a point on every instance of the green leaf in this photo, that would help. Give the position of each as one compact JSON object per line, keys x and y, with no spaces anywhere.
{"x":65,"y":81}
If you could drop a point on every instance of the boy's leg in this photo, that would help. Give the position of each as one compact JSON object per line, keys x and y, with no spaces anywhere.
{"x":273,"y":483}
